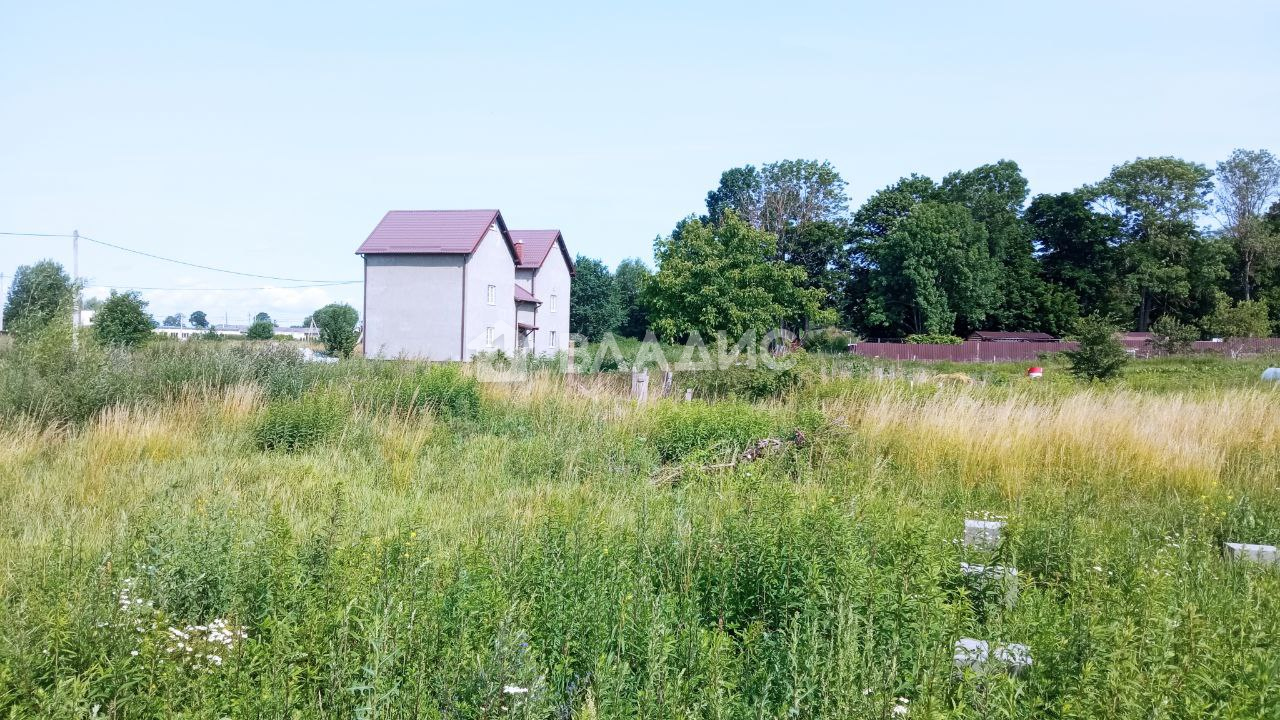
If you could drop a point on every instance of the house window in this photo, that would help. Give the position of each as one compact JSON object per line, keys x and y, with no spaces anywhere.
{"x":553,"y":303}
{"x":488,"y":336}
{"x":553,"y":339}
{"x":493,"y":294}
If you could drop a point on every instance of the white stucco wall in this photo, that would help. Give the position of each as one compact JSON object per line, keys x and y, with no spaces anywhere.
{"x":413,"y":305}
{"x":490,"y":264}
{"x":553,"y":279}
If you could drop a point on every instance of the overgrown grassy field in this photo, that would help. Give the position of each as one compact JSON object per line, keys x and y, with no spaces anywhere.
{"x":210,"y":532}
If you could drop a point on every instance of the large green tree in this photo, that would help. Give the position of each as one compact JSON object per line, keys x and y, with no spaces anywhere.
{"x":1246,"y":183}
{"x":994,"y":195}
{"x":629,"y":280}
{"x":724,"y":278}
{"x":198,"y":319}
{"x":40,"y":295}
{"x":933,"y":273}
{"x":871,"y":225}
{"x":1078,"y":252}
{"x":594,"y":308}
{"x":122,"y":321}
{"x":802,"y":203}
{"x":816,"y":247}
{"x":1170,"y":264}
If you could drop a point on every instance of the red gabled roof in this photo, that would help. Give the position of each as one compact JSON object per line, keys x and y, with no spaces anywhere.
{"x":534,"y":246}
{"x":523,"y":295}
{"x":433,"y":232}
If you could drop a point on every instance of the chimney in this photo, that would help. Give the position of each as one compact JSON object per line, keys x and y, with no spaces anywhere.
{"x":519,"y":243}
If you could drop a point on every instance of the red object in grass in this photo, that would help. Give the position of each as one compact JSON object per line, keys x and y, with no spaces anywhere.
{"x":1035,"y":372}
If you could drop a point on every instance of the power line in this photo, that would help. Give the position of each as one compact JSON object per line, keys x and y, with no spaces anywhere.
{"x":207,"y":267}
{"x":204,"y":289}
{"x":36,"y":234}
{"x":180,"y":262}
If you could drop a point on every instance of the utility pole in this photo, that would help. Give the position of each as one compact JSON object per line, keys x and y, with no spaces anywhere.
{"x":75,"y":278}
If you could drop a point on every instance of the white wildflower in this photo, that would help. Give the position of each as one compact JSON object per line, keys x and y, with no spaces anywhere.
{"x":514,"y":690}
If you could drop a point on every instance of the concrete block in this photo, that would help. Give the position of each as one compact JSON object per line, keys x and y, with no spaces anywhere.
{"x":979,"y":656}
{"x":1265,"y":554}
{"x":982,"y":533}
{"x":993,"y":578}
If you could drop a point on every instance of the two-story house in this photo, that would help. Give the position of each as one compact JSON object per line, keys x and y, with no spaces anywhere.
{"x":446,"y":284}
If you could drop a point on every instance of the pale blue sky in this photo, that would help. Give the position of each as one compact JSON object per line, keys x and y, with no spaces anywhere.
{"x":271,"y":137}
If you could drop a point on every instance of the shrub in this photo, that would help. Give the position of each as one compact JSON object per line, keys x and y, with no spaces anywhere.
{"x":261,"y":330}
{"x":697,"y":431}
{"x":297,"y":424}
{"x":934,"y":339}
{"x":829,"y":340}
{"x":123,"y":321}
{"x":1243,"y":319}
{"x":1172,"y":336}
{"x":337,"y":323}
{"x":39,"y":295}
{"x":1101,"y":355}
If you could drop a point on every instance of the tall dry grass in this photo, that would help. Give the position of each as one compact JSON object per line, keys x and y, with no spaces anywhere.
{"x":1109,"y":438}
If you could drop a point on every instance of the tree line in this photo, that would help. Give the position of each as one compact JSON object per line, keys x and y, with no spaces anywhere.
{"x":1159,"y":244}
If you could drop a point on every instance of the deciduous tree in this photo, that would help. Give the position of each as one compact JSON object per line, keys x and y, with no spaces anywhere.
{"x":1246,"y":183}
{"x":40,"y":295}
{"x":931,"y":273}
{"x":629,"y":279}
{"x":122,"y":321}
{"x":594,"y":308}
{"x":1169,"y":263}
{"x":198,"y":319}
{"x":261,"y":330}
{"x":337,"y":324}
{"x":723,"y":278}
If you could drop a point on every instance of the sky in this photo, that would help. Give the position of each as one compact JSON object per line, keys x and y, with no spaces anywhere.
{"x":270,"y":138}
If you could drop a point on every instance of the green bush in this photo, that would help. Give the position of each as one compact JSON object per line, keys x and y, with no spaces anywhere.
{"x":699,"y":431}
{"x":1101,"y":355}
{"x":123,"y":320}
{"x":1171,"y":336}
{"x":297,"y":424}
{"x":934,"y":339}
{"x":261,"y":330}
{"x":829,"y":340}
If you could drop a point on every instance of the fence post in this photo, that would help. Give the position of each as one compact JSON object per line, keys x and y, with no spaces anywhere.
{"x":688,"y":394}
{"x":640,"y":385}
{"x":666,"y":384}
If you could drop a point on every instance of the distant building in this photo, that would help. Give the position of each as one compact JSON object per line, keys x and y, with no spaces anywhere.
{"x":186,"y":333}
{"x":1001,"y":336}
{"x":226,"y":330}
{"x":447,"y":284}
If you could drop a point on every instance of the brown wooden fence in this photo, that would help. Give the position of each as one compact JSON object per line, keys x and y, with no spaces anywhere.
{"x":973,"y":351}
